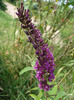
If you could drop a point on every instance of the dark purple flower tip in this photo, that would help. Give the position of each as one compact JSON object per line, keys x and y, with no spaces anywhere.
{"x":21,"y":3}
{"x":28,"y":21}
{"x":34,"y":45}
{"x":46,"y":44}
{"x":31,"y":26}
{"x":24,"y":26}
{"x":27,"y":11}
{"x":51,"y":86}
{"x":26,"y":32}
{"x":18,"y":9}
{"x":37,"y":52}
{"x":27,"y":15}
{"x":49,"y":79}
{"x":17,"y":14}
{"x":30,"y":39}
{"x":41,"y":40}
{"x":34,"y":26}
{"x":31,"y":32}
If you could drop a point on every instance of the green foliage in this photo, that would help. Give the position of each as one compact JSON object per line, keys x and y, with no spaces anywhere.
{"x":2,"y":6}
{"x":12,"y":1}
{"x":53,"y":91}
{"x":26,"y":69}
{"x":34,"y":96}
{"x":71,"y":2}
{"x":41,"y":28}
{"x":60,"y":95}
{"x":38,"y":97}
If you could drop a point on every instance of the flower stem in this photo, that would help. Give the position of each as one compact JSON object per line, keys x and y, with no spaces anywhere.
{"x":45,"y":93}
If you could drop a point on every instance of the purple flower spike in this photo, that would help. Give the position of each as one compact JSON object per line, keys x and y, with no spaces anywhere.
{"x":45,"y":64}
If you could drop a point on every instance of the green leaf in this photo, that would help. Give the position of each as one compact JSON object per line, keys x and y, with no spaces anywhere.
{"x":71,"y":61}
{"x":51,"y":83}
{"x":40,"y":94}
{"x":46,"y":8}
{"x":49,"y":98}
{"x":44,"y":99}
{"x":69,"y":64}
{"x":70,"y":2}
{"x":28,"y":57}
{"x":60,"y":70}
{"x":41,"y":28}
{"x":36,"y":88}
{"x":47,"y":21}
{"x":61,"y":87}
{"x":35,"y":7}
{"x":34,"y":96}
{"x":53,"y":91}
{"x":25,"y":70}
{"x":60,"y":95}
{"x":58,"y":73}
{"x":73,"y":76}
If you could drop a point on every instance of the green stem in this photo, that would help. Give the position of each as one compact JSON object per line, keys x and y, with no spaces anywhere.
{"x":45,"y":93}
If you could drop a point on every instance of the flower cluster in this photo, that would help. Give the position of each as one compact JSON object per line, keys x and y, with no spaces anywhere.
{"x":45,"y":64}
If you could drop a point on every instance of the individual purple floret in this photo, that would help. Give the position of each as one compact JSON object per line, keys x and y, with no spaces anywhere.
{"x":45,"y":64}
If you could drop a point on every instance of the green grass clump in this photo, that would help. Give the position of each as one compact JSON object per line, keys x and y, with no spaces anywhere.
{"x":13,"y":58}
{"x":68,"y":30}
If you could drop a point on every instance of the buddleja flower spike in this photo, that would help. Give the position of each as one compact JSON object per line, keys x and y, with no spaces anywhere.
{"x":45,"y":64}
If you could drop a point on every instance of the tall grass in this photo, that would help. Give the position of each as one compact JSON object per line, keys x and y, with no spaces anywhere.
{"x":13,"y":59}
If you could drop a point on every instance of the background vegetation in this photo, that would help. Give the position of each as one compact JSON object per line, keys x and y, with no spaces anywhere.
{"x":2,"y":6}
{"x":16,"y":53}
